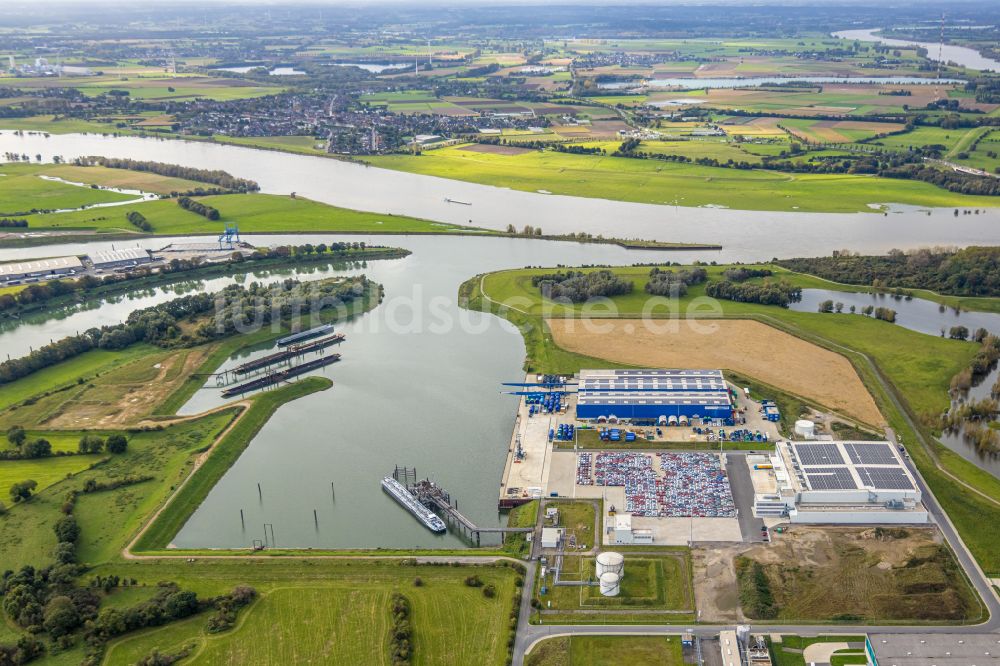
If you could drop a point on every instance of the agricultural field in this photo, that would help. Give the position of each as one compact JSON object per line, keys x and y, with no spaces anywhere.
{"x":159,"y":88}
{"x":792,"y":363}
{"x":324,"y":611}
{"x":836,"y":131}
{"x":253,"y":212}
{"x":607,"y":650}
{"x":22,"y":190}
{"x":653,"y":181}
{"x":44,"y":471}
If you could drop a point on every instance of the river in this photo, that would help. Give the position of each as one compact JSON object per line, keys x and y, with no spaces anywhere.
{"x":420,"y":379}
{"x":961,"y":55}
{"x":755,"y":234}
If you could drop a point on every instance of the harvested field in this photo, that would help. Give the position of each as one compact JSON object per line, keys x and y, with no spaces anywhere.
{"x":868,"y":575}
{"x":495,"y":150}
{"x":747,"y":347}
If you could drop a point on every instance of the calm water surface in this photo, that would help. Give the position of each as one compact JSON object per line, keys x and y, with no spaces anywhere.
{"x":962,"y":55}
{"x":758,"y":233}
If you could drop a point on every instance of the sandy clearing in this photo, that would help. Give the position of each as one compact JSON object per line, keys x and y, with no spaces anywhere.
{"x":745,"y":346}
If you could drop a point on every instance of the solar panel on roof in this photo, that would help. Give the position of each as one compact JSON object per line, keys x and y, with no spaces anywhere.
{"x":871,"y":454}
{"x":885,"y":478}
{"x":819,"y":454}
{"x":831,"y":478}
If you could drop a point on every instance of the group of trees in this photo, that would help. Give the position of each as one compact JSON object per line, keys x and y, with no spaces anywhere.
{"x":235,"y":307}
{"x":138,"y":220}
{"x":670,"y":283}
{"x":740,"y":274}
{"x":973,"y":271}
{"x":768,"y":293}
{"x":25,"y":449}
{"x":213,"y":177}
{"x":116,"y":443}
{"x":187,"y":203}
{"x":9,"y":222}
{"x":580,"y":286}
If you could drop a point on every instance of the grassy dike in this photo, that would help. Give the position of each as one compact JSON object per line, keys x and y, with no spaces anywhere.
{"x":970,"y":496}
{"x":220,"y":458}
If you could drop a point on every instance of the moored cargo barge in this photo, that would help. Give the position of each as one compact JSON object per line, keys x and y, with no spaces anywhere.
{"x":278,"y":357}
{"x":278,"y":377}
{"x":405,"y":498}
{"x":305,"y":335}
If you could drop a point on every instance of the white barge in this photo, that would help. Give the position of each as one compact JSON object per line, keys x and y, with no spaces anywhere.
{"x":405,"y":498}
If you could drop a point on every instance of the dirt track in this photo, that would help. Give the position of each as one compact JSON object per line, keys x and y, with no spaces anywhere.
{"x":748,"y":347}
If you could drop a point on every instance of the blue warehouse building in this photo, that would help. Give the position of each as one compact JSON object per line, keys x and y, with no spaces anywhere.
{"x":647,"y":395}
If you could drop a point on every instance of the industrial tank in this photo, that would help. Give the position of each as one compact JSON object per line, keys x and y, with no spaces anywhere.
{"x":805,"y":429}
{"x":610,"y":562}
{"x":610,"y":584}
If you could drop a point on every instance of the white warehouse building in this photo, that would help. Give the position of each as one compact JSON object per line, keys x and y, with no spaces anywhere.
{"x":835,"y":483}
{"x":132,"y":256}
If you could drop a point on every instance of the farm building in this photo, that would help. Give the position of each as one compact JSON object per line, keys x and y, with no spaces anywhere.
{"x":19,"y":270}
{"x":653,"y":395}
{"x":132,"y":256}
{"x":835,"y":483}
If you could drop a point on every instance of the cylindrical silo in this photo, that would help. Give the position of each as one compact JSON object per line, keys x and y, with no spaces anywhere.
{"x":609,"y":561}
{"x":805,"y":428}
{"x":610,"y":584}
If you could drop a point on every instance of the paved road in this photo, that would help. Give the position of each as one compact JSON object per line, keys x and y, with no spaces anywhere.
{"x":742,"y":486}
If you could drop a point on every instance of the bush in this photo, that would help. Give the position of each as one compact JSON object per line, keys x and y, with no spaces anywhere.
{"x":116,"y":443}
{"x":490,"y":591}
{"x":474,"y":581}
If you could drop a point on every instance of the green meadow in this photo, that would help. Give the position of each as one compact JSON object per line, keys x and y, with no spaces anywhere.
{"x":653,"y":181}
{"x":23,"y":190}
{"x":254,"y":213}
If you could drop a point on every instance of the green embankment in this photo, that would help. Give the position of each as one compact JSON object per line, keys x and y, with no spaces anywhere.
{"x":654,"y":181}
{"x":22,"y":190}
{"x":225,"y":453}
{"x":255,"y":213}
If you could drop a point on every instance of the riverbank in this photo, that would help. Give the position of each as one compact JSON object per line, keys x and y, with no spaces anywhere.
{"x":229,"y":267}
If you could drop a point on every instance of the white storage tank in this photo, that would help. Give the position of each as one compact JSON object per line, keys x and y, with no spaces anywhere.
{"x":683,"y":420}
{"x":662,"y":420}
{"x":610,"y":584}
{"x":610,"y":562}
{"x":805,"y":428}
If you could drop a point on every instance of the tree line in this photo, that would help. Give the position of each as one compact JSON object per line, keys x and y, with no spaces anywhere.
{"x":223,"y":179}
{"x":187,"y":203}
{"x":972,"y":271}
{"x":9,"y":222}
{"x":234,"y":307}
{"x":138,"y":220}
